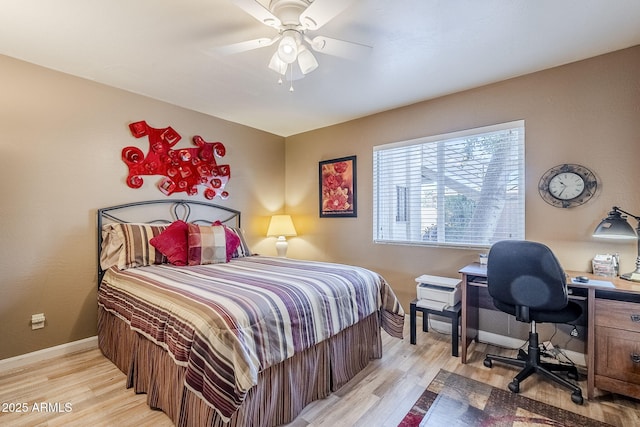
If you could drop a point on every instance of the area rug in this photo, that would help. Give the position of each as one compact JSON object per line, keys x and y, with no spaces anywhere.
{"x":453,"y":400}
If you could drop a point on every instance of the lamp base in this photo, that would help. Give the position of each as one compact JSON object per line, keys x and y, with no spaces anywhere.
{"x":282,"y":246}
{"x":634,"y":276}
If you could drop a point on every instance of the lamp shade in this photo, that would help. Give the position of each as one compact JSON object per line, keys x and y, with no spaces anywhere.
{"x":614,"y":226}
{"x":288,"y":49}
{"x":306,"y":60}
{"x":281,"y":225}
{"x":278,"y":65}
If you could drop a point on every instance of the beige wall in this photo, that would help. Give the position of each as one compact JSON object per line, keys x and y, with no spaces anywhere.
{"x":586,"y":113}
{"x":60,"y":145}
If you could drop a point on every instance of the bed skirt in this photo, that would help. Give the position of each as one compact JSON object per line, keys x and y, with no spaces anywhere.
{"x":282,"y":392}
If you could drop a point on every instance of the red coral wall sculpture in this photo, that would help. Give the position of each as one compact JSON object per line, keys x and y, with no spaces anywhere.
{"x":182,"y":169}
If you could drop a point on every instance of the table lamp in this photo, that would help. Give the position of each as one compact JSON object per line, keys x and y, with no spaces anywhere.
{"x":281,"y":226}
{"x":615,"y":226}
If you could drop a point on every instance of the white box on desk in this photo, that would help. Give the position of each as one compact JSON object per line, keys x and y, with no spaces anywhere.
{"x":438,"y":289}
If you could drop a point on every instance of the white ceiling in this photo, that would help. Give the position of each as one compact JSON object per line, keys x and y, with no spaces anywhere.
{"x":421,"y":49}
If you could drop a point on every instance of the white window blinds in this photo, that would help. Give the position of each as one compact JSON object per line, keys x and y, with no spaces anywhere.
{"x":460,"y":189}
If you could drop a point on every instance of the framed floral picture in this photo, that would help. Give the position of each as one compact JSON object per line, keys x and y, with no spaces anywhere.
{"x":338,"y":198}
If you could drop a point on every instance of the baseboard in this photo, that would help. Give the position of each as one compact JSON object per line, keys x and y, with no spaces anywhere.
{"x":504,"y":341}
{"x":18,"y":362}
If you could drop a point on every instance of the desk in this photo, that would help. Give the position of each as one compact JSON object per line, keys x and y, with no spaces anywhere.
{"x":613,"y":329}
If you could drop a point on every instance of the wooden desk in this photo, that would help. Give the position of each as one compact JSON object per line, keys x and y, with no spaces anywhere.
{"x":613,"y":329}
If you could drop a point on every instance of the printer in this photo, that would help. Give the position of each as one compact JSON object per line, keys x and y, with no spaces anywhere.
{"x":437,"y":293}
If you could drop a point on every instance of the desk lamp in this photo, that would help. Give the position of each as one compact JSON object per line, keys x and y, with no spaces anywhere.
{"x":281,"y":226}
{"x":615,"y":226}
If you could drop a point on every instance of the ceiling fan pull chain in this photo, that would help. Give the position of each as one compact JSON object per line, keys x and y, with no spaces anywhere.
{"x":282,"y":75}
{"x":291,"y":74}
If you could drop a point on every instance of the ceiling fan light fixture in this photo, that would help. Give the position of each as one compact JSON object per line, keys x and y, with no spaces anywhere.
{"x":293,"y":19}
{"x":277,"y":64}
{"x":306,"y":60}
{"x":288,"y":49}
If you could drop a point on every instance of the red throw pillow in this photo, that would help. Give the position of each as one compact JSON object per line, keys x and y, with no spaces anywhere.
{"x":233,"y":241}
{"x":173,"y":242}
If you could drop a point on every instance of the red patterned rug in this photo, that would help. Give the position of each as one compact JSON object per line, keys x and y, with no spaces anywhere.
{"x":453,"y":400}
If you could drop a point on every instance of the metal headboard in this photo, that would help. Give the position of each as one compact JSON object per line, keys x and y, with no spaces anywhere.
{"x":177,"y":209}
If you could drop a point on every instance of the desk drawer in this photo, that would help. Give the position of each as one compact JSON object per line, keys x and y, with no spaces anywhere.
{"x":617,"y":314}
{"x":618,"y":354}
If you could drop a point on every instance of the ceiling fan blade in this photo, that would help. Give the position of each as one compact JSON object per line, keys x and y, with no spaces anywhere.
{"x":258,"y":11}
{"x":322,"y":11}
{"x":230,"y":49}
{"x":335,"y":47}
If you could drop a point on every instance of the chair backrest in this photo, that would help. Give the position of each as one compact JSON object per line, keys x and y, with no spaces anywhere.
{"x":526,"y":274}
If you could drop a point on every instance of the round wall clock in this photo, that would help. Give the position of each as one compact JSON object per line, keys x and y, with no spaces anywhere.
{"x":568,"y":185}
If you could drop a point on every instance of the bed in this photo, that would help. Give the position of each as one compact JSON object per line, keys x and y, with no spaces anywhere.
{"x":218,"y":336}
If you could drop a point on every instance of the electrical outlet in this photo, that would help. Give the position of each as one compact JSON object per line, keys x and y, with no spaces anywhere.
{"x":37,"y":321}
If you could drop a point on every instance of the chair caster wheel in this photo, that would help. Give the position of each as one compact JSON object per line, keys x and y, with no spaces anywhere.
{"x":514,"y":386}
{"x":576,"y":397}
{"x":572,"y":375}
{"x":488,"y":363}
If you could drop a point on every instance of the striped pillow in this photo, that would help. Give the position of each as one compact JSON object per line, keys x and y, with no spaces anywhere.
{"x":127,"y":245}
{"x":243,"y":249}
{"x":207,"y":244}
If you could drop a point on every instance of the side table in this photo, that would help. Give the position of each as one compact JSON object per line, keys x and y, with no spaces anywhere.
{"x":452,"y":313}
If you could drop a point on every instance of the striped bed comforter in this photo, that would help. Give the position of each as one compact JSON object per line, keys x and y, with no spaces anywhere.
{"x":227,"y":322}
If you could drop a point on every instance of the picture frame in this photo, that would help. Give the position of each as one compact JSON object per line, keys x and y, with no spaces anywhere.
{"x":338,"y":188}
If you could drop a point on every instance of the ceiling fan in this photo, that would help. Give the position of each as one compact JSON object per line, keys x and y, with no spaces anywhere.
{"x":293,"y":19}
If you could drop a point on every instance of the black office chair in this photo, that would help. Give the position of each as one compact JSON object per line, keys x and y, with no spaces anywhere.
{"x":526,"y":280}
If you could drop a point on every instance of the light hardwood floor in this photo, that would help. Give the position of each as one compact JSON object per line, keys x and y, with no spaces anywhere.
{"x":85,"y":389}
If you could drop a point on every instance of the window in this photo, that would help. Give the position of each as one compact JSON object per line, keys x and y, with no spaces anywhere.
{"x":402,"y":201}
{"x":460,"y":189}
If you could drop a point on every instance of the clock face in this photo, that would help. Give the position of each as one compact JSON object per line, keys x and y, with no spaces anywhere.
{"x":567,"y":185}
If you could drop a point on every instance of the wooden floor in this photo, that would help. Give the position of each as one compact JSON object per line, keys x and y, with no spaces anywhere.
{"x":85,"y":389}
